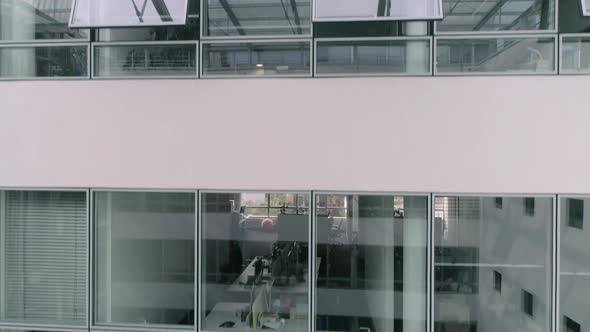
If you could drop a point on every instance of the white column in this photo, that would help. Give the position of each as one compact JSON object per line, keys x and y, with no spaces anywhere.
{"x":415,"y":238}
{"x":416,"y":54}
{"x":17,"y":24}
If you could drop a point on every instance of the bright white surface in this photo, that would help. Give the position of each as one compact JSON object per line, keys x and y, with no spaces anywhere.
{"x":441,"y":134}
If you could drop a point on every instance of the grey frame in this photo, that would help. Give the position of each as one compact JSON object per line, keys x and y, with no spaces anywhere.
{"x":50,"y":44}
{"x":58,"y":327}
{"x":561,"y":42}
{"x":354,"y":19}
{"x":82,"y":26}
{"x":502,"y":36}
{"x":403,"y":38}
{"x":146,"y":43}
{"x":554,"y":259}
{"x":311,"y":259}
{"x":121,"y":327}
{"x":257,"y":41}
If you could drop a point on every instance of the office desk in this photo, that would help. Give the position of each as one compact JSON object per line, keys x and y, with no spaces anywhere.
{"x":226,"y":311}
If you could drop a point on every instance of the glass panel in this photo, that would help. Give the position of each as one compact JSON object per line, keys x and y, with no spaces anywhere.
{"x":354,"y":10}
{"x":256,"y":17}
{"x":116,"y":13}
{"x":256,"y":59}
{"x":254,"y":268}
{"x":372,"y":263}
{"x":496,"y":55}
{"x":373,"y":57}
{"x":575,"y":266}
{"x":144,"y":265}
{"x":575,"y":55}
{"x":586,"y":7}
{"x":43,"y":61}
{"x":22,"y":20}
{"x":189,"y":31}
{"x":145,"y":60}
{"x":43,"y":241}
{"x":473,"y":240}
{"x":571,"y":19}
{"x":497,"y":15}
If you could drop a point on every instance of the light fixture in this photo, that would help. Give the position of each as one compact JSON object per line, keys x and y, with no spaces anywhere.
{"x":259,"y":65}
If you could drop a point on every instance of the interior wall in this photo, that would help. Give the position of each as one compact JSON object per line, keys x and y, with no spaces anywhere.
{"x":445,"y":134}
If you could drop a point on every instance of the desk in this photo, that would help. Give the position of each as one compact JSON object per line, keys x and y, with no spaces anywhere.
{"x":226,"y":311}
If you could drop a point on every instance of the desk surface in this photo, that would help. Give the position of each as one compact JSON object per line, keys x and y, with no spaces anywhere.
{"x":227,"y":311}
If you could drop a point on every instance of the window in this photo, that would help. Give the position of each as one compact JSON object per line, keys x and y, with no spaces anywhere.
{"x":44,"y":257}
{"x":499,"y":202}
{"x":108,"y":13}
{"x":585,"y":7}
{"x":476,"y":249}
{"x":498,"y":281}
{"x":529,"y":206}
{"x":353,"y":10}
{"x":497,"y":15}
{"x":372,"y":262}
{"x":144,"y":258}
{"x":528,"y":303}
{"x":49,"y":60}
{"x":254,"y":264}
{"x":571,"y":325}
{"x":575,"y":213}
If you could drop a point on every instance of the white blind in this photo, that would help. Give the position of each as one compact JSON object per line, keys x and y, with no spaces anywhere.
{"x":44,"y":257}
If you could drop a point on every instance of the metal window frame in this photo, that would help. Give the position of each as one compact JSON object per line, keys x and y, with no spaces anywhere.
{"x":429,"y":39}
{"x":562,"y":41}
{"x":131,"y":327}
{"x":83,"y":327}
{"x":91,"y":26}
{"x":95,"y":45}
{"x":204,"y":20}
{"x":274,"y":42}
{"x":500,"y":32}
{"x":311,"y":258}
{"x":54,"y":45}
{"x":552,"y":294}
{"x":555,"y":70}
{"x":440,"y":16}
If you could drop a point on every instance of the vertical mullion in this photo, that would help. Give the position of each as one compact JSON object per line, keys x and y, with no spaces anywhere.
{"x":556,"y":263}
{"x":430,"y":266}
{"x":312,"y":269}
{"x":89,"y":259}
{"x":198,"y":290}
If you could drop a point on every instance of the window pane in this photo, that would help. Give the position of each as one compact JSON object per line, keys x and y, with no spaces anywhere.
{"x":574,"y":268}
{"x":497,"y":15}
{"x":575,"y":55}
{"x":586,"y":7}
{"x":254,"y":268}
{"x":496,"y":55}
{"x":144,"y":265}
{"x":116,"y":13}
{"x":354,"y":10}
{"x":372,"y":263}
{"x":256,"y":17}
{"x":373,"y":57}
{"x":44,"y":257}
{"x":44,"y":61}
{"x":257,"y":59}
{"x":30,"y":20}
{"x":472,"y":240}
{"x":571,"y":19}
{"x":145,"y":60}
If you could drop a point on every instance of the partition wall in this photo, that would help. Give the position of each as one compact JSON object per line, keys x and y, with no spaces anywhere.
{"x":132,"y":260}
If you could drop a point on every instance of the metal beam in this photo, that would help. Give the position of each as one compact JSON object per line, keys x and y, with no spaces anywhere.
{"x":232,"y":16}
{"x":296,"y":16}
{"x":490,"y":14}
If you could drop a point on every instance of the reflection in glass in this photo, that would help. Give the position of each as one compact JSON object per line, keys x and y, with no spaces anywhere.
{"x":144,"y":258}
{"x":43,"y":241}
{"x":257,"y":59}
{"x":372,"y":263}
{"x":575,"y":264}
{"x":27,"y":20}
{"x":145,"y":60}
{"x":254,"y":261}
{"x":256,"y":17}
{"x":354,"y":10}
{"x":575,"y":55}
{"x":43,"y":61}
{"x":109,"y":13}
{"x":497,"y":15}
{"x":496,"y":55}
{"x":373,"y":57}
{"x":474,"y":242}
